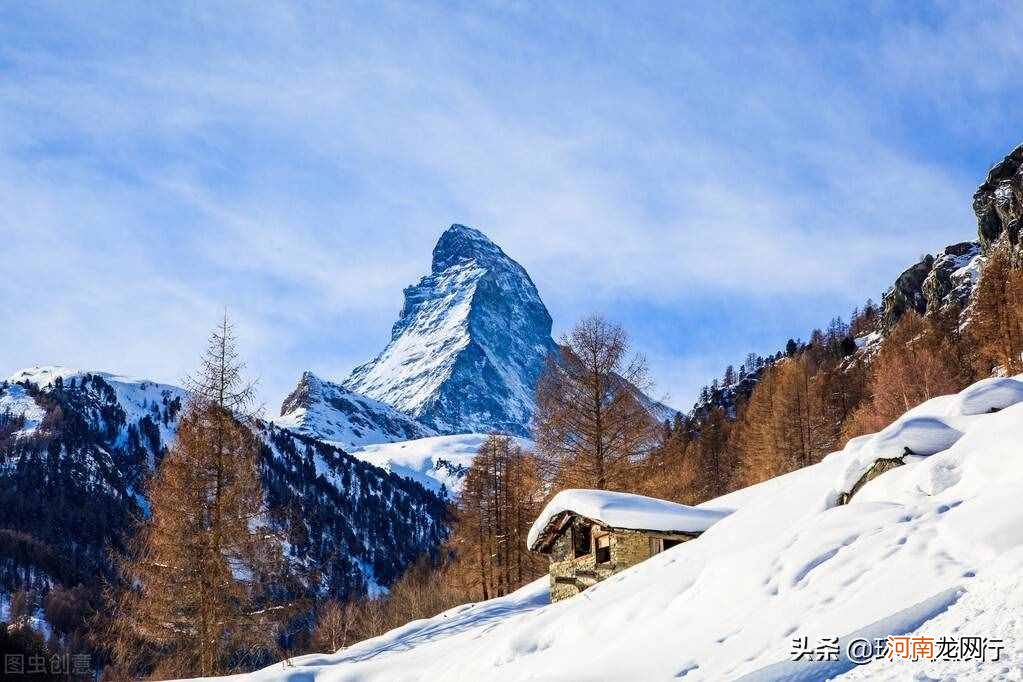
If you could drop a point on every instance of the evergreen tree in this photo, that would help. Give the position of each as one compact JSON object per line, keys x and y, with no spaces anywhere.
{"x":729,"y":379}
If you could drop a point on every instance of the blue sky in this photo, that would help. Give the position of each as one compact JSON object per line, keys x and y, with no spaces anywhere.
{"x":717,"y":177}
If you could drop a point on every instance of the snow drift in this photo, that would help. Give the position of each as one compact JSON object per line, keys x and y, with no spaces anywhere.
{"x":931,"y":548}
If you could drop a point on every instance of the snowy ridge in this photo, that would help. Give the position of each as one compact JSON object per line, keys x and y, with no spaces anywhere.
{"x":325,"y":410}
{"x":356,"y":526}
{"x":933,"y":548}
{"x":137,"y":397}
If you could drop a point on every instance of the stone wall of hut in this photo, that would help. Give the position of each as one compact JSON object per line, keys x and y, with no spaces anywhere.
{"x":570,"y":575}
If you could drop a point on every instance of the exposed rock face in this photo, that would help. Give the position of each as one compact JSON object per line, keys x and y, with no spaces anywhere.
{"x":469,"y":346}
{"x":906,"y":293}
{"x":998,"y":202}
{"x":935,"y":284}
{"x":952,"y":277}
{"x":325,"y":410}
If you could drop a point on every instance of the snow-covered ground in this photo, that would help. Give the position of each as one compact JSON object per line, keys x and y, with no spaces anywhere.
{"x":433,"y":462}
{"x":932,"y":548}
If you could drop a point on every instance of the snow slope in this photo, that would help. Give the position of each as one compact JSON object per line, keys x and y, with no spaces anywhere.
{"x":438,"y":463}
{"x":934,"y":547}
{"x":327,"y":411}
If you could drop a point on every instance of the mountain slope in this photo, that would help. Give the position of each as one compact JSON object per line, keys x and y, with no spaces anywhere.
{"x":439,"y":463}
{"x":932,"y":548}
{"x":469,"y":345}
{"x":941,"y":284}
{"x":76,"y":448}
{"x":325,"y":410}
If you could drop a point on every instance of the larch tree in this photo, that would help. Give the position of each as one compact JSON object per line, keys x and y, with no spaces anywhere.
{"x":917,"y":362}
{"x":590,"y":425}
{"x":499,"y":500}
{"x":784,"y":426}
{"x":996,"y":322}
{"x":193,"y":598}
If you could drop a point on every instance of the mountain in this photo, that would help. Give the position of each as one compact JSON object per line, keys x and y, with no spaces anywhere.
{"x":76,"y":448}
{"x":931,"y":549}
{"x":439,"y":463}
{"x":939,"y":282}
{"x":464,"y":357}
{"x":321,"y":409}
{"x":469,"y":344}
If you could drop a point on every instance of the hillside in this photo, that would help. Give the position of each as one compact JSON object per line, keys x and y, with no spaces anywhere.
{"x":931,"y":548}
{"x":438,"y":463}
{"x":76,"y":448}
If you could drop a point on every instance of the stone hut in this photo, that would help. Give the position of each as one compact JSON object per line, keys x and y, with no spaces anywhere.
{"x":590,"y":535}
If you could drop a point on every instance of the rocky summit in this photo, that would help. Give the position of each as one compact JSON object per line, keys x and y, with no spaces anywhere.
{"x":325,"y":410}
{"x":469,"y":344}
{"x":947,"y":281}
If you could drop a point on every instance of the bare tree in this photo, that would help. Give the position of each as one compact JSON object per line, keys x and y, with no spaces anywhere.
{"x":193,"y":596}
{"x":334,"y":625}
{"x":590,"y":425}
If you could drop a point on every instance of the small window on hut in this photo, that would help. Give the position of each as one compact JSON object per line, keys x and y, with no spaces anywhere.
{"x":580,"y":540}
{"x":668,"y":544}
{"x":603,"y":549}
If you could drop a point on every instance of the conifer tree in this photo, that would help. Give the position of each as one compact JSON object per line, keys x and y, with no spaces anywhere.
{"x":193,"y":599}
{"x":590,"y":425}
{"x":997,"y":315}
{"x":917,"y":362}
{"x":499,"y":500}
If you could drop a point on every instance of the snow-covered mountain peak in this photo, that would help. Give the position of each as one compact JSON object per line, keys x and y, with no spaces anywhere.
{"x":469,"y":345}
{"x":464,"y":357}
{"x":134,"y":398}
{"x":460,"y":243}
{"x":325,"y":410}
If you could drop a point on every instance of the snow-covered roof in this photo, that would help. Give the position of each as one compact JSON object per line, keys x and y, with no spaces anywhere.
{"x":623,"y":510}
